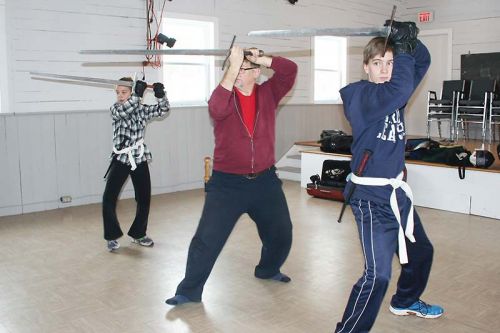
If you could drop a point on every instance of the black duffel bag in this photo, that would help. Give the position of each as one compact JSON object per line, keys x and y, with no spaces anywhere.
{"x":335,"y":141}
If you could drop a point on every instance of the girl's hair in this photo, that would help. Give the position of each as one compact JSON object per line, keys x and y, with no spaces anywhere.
{"x":374,"y":48}
{"x":127,"y":78}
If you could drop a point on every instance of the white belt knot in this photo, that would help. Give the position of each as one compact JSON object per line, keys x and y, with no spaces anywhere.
{"x":128,"y":150}
{"x":395,"y":183}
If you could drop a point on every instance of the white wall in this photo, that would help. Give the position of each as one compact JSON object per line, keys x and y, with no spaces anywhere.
{"x":475,"y":25}
{"x":47,"y":36}
{"x":55,"y":138}
{"x":4,"y":88}
{"x":46,"y":156}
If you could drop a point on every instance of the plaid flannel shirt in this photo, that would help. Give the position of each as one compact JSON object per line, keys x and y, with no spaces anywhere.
{"x":129,"y":125}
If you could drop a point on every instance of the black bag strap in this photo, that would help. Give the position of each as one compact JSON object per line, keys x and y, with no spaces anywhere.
{"x":461,"y":172}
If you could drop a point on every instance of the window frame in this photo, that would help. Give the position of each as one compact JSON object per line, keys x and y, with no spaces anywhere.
{"x":209,"y":64}
{"x":342,"y":71}
{"x":4,"y":68}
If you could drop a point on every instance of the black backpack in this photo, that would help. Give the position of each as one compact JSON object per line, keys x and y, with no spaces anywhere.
{"x":334,"y":173}
{"x":332,"y":182}
{"x":335,"y":141}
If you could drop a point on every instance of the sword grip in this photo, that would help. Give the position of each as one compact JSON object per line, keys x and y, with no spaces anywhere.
{"x":366,"y":155}
{"x":207,"y":161}
{"x":249,"y":53}
{"x":361,"y":168}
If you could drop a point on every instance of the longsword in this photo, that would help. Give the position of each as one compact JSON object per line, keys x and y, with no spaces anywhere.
{"x":85,"y":79}
{"x":197,"y":52}
{"x":339,"y":32}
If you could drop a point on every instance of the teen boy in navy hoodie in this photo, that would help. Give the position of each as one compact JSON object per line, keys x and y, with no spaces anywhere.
{"x":382,"y":200}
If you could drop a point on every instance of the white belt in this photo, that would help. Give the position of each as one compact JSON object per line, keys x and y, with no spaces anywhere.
{"x":395,"y":183}
{"x":138,"y":145}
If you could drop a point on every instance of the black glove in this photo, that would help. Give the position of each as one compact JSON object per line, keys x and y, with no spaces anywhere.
{"x":159,"y":90}
{"x":140,"y":86}
{"x":403,"y":36}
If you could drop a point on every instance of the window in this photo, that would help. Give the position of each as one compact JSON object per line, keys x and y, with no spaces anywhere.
{"x":189,"y":80}
{"x":3,"y":59}
{"x":329,"y":68}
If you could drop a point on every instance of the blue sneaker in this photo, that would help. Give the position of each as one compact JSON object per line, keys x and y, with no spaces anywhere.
{"x":419,"y":309}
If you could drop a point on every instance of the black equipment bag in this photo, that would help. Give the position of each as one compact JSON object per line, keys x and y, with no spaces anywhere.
{"x":335,"y":141}
{"x":422,"y":143}
{"x":455,"y":156}
{"x":332,"y":182}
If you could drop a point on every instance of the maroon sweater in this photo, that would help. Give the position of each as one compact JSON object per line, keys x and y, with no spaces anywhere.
{"x":235,"y":151}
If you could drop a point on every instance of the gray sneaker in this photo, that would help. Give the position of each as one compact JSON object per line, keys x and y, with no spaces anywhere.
{"x":113,"y":245}
{"x":144,"y":241}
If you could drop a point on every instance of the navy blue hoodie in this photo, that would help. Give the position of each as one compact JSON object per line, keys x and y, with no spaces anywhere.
{"x":376,"y":114}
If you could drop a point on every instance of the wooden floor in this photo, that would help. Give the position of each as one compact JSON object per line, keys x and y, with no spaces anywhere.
{"x":57,"y":276}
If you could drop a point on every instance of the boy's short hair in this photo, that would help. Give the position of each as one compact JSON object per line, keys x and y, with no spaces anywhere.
{"x":127,"y":78}
{"x":374,"y":48}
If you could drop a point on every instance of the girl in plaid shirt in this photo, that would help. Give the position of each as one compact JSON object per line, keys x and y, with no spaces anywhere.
{"x":130,"y":157}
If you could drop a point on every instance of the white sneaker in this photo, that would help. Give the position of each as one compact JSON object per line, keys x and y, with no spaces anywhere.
{"x":113,"y":245}
{"x":144,"y":241}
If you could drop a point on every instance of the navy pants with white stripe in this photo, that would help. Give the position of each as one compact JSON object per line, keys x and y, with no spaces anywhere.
{"x":378,"y":232}
{"x":228,"y":197}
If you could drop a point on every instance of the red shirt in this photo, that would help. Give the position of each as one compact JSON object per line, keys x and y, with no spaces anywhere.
{"x":247,"y":109}
{"x":235,"y":151}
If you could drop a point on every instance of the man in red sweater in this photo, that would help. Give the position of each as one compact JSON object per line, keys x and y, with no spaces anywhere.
{"x":244,"y":178}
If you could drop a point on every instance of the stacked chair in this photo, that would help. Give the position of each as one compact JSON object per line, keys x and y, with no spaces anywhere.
{"x":443,"y":108}
{"x":475,"y":108}
{"x":494,"y":118}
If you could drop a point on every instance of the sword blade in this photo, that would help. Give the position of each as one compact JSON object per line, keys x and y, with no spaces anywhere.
{"x":389,"y":28}
{"x":199,"y":52}
{"x":309,"y":32}
{"x":228,"y":52}
{"x":83,"y":79}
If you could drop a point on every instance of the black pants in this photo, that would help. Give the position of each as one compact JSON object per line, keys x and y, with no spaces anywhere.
{"x":117,"y":176}
{"x":228,"y":197}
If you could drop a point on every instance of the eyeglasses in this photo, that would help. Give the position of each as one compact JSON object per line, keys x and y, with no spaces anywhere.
{"x":246,"y":69}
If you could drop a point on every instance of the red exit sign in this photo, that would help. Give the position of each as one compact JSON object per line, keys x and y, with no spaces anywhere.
{"x":425,"y":16}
